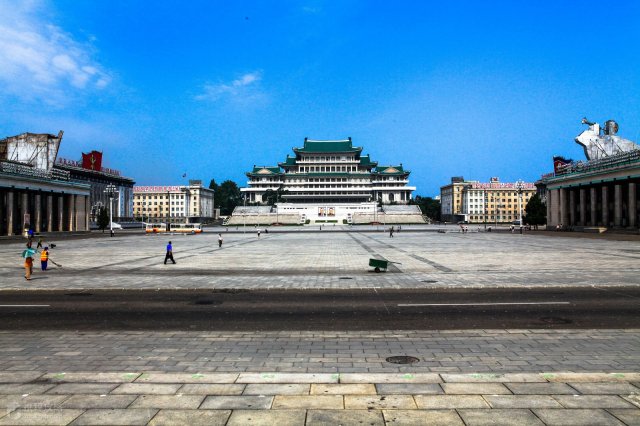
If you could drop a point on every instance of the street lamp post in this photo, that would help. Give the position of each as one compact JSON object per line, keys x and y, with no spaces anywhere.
{"x":111,"y":190}
{"x":520,"y":187}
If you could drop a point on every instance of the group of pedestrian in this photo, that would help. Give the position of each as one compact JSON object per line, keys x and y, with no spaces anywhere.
{"x":28,"y":259}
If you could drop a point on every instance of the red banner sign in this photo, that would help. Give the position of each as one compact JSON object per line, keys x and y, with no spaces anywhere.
{"x":92,"y":161}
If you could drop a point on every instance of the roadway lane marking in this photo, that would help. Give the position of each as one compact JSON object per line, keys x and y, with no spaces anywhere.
{"x":24,"y":306}
{"x":483,"y":304}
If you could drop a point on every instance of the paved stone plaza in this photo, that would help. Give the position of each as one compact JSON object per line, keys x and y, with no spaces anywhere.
{"x":463,"y":377}
{"x":134,"y":398}
{"x":323,"y":260}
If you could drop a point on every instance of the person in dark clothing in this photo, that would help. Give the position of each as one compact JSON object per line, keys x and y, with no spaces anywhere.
{"x":169,"y":254}
{"x":219,"y":240}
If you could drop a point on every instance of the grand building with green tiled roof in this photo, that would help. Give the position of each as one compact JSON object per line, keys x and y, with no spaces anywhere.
{"x":329,"y":174}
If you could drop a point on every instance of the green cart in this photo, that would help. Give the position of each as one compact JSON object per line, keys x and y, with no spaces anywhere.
{"x":379,"y":264}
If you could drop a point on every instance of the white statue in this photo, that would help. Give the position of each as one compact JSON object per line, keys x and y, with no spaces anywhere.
{"x":600,"y":144}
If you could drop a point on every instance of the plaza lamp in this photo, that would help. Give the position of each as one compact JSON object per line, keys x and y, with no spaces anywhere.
{"x":520,"y":187}
{"x":111,"y":190}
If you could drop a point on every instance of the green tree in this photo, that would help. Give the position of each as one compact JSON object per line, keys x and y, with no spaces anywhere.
{"x":103,"y":218}
{"x":229,"y":196}
{"x":428,"y":206}
{"x":274,"y":197}
{"x":216,"y":193}
{"x":536,"y":211}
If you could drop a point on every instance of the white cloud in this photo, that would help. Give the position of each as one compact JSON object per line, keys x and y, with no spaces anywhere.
{"x":244,"y":88}
{"x":41,"y":61}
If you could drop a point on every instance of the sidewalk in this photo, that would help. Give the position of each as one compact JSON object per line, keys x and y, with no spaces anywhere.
{"x":319,"y":399}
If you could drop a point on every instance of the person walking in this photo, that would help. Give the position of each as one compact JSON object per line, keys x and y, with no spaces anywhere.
{"x":44,"y":258}
{"x":220,"y":240}
{"x":258,"y":232}
{"x":169,"y":254}
{"x":391,"y":232}
{"x":39,"y":243}
{"x":28,"y":267}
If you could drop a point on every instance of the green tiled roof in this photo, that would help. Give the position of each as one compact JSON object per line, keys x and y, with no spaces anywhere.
{"x":312,"y":146}
{"x":365,"y":160}
{"x":291,"y":161}
{"x":265,"y":170}
{"x":390,"y":170}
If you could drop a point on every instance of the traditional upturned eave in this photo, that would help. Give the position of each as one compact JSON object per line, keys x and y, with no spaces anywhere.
{"x":321,"y":147}
{"x":390,"y":171}
{"x":263,"y":171}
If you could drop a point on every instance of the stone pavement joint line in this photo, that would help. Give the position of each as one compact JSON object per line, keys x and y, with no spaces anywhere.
{"x":155,"y":398}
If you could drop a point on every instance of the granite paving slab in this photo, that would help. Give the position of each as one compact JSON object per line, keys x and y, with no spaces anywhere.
{"x":277,"y":389}
{"x":329,"y":402}
{"x":422,"y":417}
{"x":212,"y":389}
{"x":577,"y":417}
{"x":237,"y":402}
{"x":605,"y":388}
{"x":592,"y":401}
{"x":500,"y":417}
{"x":344,"y":417}
{"x":629,"y":417}
{"x":475,"y":389}
{"x":438,"y":402}
{"x":115,"y":417}
{"x":190,"y":418}
{"x":408,"y":389}
{"x":540,"y":388}
{"x":370,"y":402}
{"x":40,"y":417}
{"x":98,"y":401}
{"x":175,"y":402}
{"x":267,"y":418}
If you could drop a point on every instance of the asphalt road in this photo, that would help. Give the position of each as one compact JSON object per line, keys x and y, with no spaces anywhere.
{"x":329,"y":310}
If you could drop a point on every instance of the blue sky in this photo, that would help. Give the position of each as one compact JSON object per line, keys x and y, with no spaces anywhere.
{"x":210,"y":88}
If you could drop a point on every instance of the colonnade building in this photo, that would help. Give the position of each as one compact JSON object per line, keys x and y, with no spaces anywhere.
{"x":34,"y":194}
{"x":601,"y":193}
{"x":598,"y":195}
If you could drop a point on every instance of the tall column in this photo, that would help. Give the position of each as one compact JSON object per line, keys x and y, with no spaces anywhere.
{"x":549,"y":207}
{"x":87,"y":209}
{"x":632,"y":205}
{"x":38,"y":213}
{"x":594,"y":205}
{"x":10,"y":212}
{"x":605,"y":206}
{"x":61,"y":213}
{"x":79,"y":209}
{"x":72,"y":212}
{"x":50,"y":213}
{"x":583,"y":207}
{"x":617,"y":205}
{"x":24,"y":209}
{"x":572,"y":207}
{"x":564,"y":207}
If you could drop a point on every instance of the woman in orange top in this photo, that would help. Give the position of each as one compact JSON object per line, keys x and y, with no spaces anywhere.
{"x":44,"y":257}
{"x":28,"y":267}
